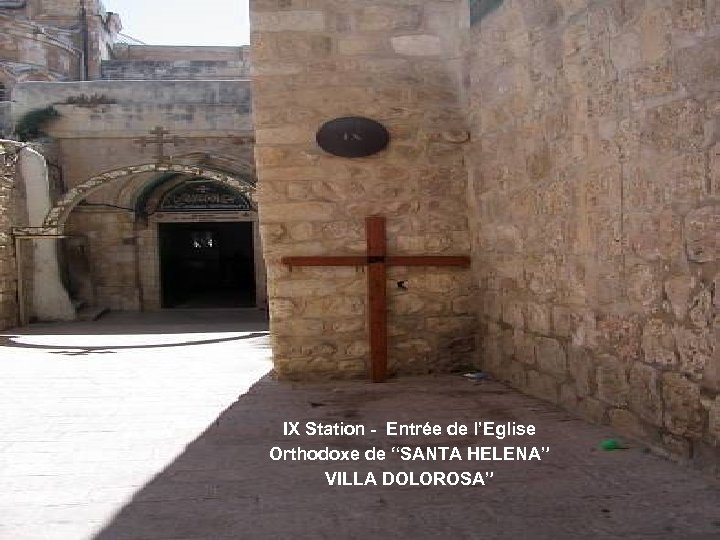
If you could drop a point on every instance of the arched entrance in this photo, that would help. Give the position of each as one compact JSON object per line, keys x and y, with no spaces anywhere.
{"x":163,"y":236}
{"x":204,"y":238}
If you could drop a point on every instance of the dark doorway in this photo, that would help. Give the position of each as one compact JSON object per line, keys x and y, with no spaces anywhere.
{"x":207,"y":265}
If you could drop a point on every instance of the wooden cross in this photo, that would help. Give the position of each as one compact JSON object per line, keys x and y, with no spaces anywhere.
{"x":377,"y":261}
{"x":159,"y":141}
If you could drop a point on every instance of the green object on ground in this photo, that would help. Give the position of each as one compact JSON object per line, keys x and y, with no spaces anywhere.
{"x":611,"y":444}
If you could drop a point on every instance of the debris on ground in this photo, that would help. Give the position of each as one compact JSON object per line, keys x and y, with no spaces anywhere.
{"x":612,"y":444}
{"x":476,"y":376}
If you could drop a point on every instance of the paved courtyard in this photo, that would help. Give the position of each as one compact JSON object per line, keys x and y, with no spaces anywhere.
{"x":161,"y":426}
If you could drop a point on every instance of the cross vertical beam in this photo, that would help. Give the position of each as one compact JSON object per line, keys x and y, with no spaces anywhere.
{"x":377,"y":296}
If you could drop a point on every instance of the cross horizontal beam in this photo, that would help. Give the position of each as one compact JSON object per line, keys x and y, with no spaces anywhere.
{"x":393,"y":260}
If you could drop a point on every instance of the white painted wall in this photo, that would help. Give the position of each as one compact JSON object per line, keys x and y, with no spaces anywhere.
{"x":50,"y":299}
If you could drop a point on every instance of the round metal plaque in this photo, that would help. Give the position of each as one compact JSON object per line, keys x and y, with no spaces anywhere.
{"x":353,"y":137}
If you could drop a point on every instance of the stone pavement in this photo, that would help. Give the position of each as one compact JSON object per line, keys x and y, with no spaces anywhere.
{"x":131,"y":428}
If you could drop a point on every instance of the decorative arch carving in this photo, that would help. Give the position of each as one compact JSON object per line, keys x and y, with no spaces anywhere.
{"x":55,"y":219}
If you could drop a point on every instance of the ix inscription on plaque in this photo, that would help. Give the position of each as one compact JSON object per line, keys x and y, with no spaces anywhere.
{"x":353,"y":137}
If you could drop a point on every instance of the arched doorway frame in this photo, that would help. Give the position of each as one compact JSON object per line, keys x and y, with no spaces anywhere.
{"x":57,"y":216}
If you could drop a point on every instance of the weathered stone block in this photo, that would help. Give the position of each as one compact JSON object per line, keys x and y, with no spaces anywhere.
{"x":542,"y":386}
{"x":700,"y":313}
{"x":682,"y":405}
{"x":538,"y":318}
{"x":337,"y":306}
{"x":679,"y":125}
{"x":714,"y":421}
{"x":297,"y":327}
{"x":658,"y":343}
{"x":678,"y":290}
{"x":512,"y":313}
{"x":612,"y":381}
{"x":568,"y":397}
{"x":645,"y":396}
{"x":298,"y":211}
{"x":284,"y":21}
{"x":508,"y":344}
{"x":620,"y":335}
{"x":702,"y":230}
{"x":282,"y":308}
{"x":562,"y":321}
{"x":514,"y":374}
{"x":592,"y":409}
{"x":450,"y":325}
{"x":626,"y":423}
{"x":387,"y":18}
{"x":697,"y":66}
{"x":656,"y":235}
{"x":711,"y":376}
{"x":644,"y":286}
{"x":583,"y":371}
{"x":551,"y":357}
{"x":360,"y":45}
{"x":417,"y":45}
{"x":346,"y":326}
{"x":677,"y":446}
{"x":491,"y":348}
{"x":464,"y":305}
{"x":694,"y":349}
{"x":524,"y":347}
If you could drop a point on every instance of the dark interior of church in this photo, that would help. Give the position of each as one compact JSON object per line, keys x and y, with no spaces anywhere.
{"x":207,"y":265}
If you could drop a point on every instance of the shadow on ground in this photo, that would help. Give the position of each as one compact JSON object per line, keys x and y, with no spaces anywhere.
{"x":71,"y":350}
{"x":225,"y":486}
{"x":169,"y":321}
{"x":120,"y":331}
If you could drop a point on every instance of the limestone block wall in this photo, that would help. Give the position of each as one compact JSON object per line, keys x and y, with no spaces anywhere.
{"x":109,"y":249}
{"x":173,"y":53}
{"x":595,"y":207}
{"x":147,"y":70}
{"x":232,"y":94}
{"x":211,"y":117}
{"x":12,"y":204}
{"x":151,"y":62}
{"x":395,"y":62}
{"x":5,"y":122}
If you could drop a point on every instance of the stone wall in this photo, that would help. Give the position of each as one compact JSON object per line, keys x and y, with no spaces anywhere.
{"x":5,"y":121}
{"x":174,"y":53}
{"x":109,"y":250}
{"x":210,"y":116}
{"x":394,"y":62}
{"x":596,"y":210}
{"x":149,"y":62}
{"x":10,"y":200}
{"x":148,"y":70}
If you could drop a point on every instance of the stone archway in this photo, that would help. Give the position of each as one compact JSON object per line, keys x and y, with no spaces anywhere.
{"x":122,"y":264}
{"x":55,"y":221}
